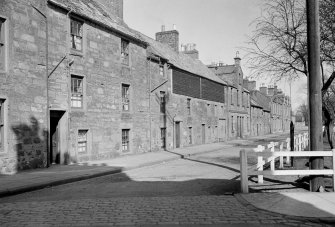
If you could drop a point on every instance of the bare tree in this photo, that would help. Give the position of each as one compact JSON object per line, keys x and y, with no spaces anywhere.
{"x":278,"y":46}
{"x":303,"y":110}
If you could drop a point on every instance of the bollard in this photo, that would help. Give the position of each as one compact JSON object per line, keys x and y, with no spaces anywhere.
{"x":260,"y":163}
{"x":288,"y":148}
{"x":281,"y":158}
{"x":271,"y":146}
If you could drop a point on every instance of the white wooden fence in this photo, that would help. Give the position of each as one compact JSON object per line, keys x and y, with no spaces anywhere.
{"x":263,"y":157}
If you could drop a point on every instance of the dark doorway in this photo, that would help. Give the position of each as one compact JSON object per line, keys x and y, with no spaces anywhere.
{"x":56,"y":136}
{"x":177,"y":134}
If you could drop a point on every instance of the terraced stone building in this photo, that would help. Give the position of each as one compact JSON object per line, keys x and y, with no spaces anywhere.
{"x":77,"y":84}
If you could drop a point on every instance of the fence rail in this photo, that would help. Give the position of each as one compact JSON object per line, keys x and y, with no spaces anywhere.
{"x":264,"y":157}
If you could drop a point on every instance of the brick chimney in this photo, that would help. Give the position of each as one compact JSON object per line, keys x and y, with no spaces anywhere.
{"x":263,"y":89}
{"x":237,"y":59}
{"x":170,"y":37}
{"x":190,"y":50}
{"x":114,"y":7}
{"x":271,"y":91}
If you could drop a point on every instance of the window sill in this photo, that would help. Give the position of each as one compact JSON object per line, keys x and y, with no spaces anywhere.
{"x":75,"y":52}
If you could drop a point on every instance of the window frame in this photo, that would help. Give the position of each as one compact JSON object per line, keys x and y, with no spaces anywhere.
{"x":163,"y":138}
{"x":125,"y":140}
{"x":77,"y":34}
{"x":86,"y":142}
{"x":125,"y":97}
{"x":125,"y":56}
{"x":161,"y":70}
{"x":79,"y":94}
{"x":188,"y":106}
{"x":3,"y":42}
{"x":3,"y":123}
{"x":190,"y":138}
{"x":162,"y":102}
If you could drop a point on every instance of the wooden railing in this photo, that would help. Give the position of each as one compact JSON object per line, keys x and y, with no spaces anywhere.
{"x":271,"y":156}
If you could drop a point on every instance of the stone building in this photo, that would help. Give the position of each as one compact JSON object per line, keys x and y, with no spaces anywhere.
{"x":77,"y":84}
{"x":23,"y":85}
{"x":238,"y":98}
{"x":188,"y":103}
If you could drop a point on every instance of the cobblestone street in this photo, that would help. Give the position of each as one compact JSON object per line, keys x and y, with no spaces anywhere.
{"x":186,"y":210}
{"x":192,"y":191}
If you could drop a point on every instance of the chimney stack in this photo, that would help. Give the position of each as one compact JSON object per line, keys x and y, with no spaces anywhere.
{"x":190,"y":50}
{"x":169,"y":37}
{"x":237,"y":59}
{"x":263,"y":89}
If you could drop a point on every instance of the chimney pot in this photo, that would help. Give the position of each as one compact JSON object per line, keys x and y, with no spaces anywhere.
{"x":174,"y":27}
{"x":163,"y":28}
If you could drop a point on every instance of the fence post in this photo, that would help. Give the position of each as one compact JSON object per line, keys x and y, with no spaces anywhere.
{"x":243,"y":171}
{"x":288,"y":148}
{"x":260,"y":163}
{"x":333,"y":170}
{"x":281,"y":158}
{"x":271,"y":146}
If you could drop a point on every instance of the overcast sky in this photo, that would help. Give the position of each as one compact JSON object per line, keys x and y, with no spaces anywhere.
{"x":218,"y":27}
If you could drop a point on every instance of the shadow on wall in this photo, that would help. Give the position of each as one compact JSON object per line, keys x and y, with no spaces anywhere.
{"x":31,"y":144}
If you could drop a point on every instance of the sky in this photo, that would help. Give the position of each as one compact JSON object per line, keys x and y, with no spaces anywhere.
{"x":219,"y":28}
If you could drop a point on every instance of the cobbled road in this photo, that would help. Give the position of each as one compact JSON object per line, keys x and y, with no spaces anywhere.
{"x":187,"y":192}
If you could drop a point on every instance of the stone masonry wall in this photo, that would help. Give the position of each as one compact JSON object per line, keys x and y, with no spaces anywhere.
{"x":203,"y":112}
{"x":23,"y":86}
{"x":100,"y":66}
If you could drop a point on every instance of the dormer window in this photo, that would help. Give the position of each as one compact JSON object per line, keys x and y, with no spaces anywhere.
{"x":124,"y":52}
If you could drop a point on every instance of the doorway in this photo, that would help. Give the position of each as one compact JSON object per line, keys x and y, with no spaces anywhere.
{"x":177,"y":134}
{"x":58,"y":132}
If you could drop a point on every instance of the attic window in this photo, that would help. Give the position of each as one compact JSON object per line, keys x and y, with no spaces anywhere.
{"x":125,"y":52}
{"x":161,"y":70}
{"x":76,"y":32}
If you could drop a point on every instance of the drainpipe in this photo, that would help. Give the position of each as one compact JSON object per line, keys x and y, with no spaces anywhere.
{"x":149,"y":79}
{"x":46,"y":77}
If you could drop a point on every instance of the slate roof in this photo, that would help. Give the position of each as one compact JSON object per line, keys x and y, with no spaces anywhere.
{"x":253,"y":102}
{"x":94,"y":11}
{"x":180,"y":60}
{"x":261,"y":99}
{"x":224,"y":69}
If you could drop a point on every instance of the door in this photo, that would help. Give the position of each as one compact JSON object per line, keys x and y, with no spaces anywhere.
{"x":203,"y":133}
{"x":58,"y":132}
{"x":177,"y":134}
{"x":222,"y":130}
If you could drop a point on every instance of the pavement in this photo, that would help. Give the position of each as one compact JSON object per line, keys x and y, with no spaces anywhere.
{"x":317,"y":207}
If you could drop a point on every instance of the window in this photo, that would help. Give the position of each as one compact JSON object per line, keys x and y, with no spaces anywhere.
{"x":232,"y":124}
{"x":161,"y":70}
{"x":231,"y":97}
{"x":189,"y":106}
{"x":77,"y":92}
{"x":125,"y":97}
{"x":2,"y":44}
{"x":215,"y":110}
{"x":208,"y":109}
{"x":163,"y":138}
{"x":125,"y":140}
{"x":162,"y":102}
{"x":82,"y":141}
{"x":124,"y":52}
{"x":2,"y":124}
{"x":190,"y":135}
{"x":237,"y":99}
{"x":76,"y":28}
